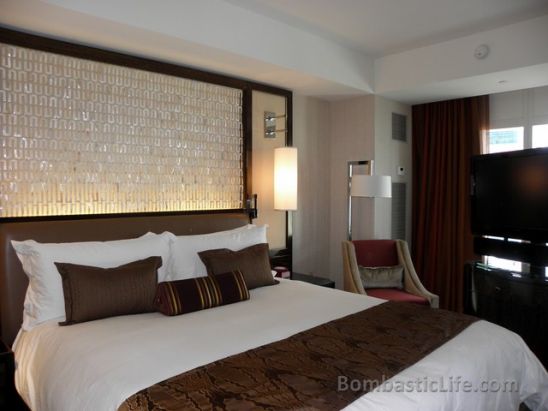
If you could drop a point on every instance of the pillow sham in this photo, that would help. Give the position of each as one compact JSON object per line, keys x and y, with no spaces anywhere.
{"x":193,"y":294}
{"x":382,"y":277}
{"x":185,"y":262}
{"x":253,"y":262}
{"x":92,"y":293}
{"x":44,"y":297}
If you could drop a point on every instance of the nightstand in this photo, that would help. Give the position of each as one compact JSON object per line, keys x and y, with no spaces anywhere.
{"x":280,"y":257}
{"x":322,"y":282}
{"x":9,"y":399}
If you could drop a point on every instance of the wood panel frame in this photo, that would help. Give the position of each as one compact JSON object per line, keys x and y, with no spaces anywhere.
{"x":65,"y":48}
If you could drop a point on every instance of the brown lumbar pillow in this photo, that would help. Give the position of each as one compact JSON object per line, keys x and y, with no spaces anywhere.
{"x":382,"y":277}
{"x":193,"y":294}
{"x":92,"y":293}
{"x":253,"y":262}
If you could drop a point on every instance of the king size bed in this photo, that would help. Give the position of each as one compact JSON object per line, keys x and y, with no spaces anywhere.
{"x":286,"y":345}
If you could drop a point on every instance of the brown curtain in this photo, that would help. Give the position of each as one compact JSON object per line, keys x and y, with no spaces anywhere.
{"x":445,"y":135}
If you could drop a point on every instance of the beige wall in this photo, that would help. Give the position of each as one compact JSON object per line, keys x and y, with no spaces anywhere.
{"x":329,"y":135}
{"x":263,"y":166}
{"x":389,"y":154}
{"x":351,"y":138}
{"x":311,"y":220}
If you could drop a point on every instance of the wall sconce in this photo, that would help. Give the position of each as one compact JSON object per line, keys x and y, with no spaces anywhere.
{"x":365,"y":185}
{"x":270,"y":130}
{"x":251,"y":208}
{"x":285,"y":178}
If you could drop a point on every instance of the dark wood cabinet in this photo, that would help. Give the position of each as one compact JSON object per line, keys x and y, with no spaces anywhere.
{"x":9,"y":399}
{"x":281,"y":257}
{"x":7,"y":370}
{"x":516,"y":302}
{"x":312,"y":279}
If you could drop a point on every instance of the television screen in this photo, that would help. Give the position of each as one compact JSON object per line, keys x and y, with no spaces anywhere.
{"x":510,"y":194}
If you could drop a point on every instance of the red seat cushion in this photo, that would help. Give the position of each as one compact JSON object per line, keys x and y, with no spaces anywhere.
{"x":394,"y":294}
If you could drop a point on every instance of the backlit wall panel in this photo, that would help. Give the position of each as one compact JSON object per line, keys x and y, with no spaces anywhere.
{"x":84,"y":137}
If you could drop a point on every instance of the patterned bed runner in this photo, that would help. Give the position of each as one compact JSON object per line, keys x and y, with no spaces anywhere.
{"x":306,"y":370}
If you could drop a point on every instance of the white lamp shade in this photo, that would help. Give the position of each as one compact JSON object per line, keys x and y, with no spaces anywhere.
{"x":363,"y":185}
{"x":285,"y":178}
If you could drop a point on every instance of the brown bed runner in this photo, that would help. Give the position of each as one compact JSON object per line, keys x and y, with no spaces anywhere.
{"x":305,"y":370}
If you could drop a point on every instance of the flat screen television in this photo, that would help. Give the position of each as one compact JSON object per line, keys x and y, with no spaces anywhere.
{"x":510,"y":195}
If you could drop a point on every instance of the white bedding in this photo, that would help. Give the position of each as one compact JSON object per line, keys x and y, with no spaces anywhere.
{"x":97,"y":365}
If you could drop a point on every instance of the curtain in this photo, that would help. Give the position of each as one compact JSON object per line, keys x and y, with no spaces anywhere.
{"x":445,"y":136}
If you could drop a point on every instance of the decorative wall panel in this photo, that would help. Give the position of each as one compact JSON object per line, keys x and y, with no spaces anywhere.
{"x":84,"y":137}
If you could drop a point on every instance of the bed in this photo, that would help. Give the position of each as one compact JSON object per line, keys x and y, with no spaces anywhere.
{"x":97,"y":365}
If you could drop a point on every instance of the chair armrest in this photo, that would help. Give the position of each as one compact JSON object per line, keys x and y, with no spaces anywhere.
{"x":412,"y":283}
{"x":352,"y":279}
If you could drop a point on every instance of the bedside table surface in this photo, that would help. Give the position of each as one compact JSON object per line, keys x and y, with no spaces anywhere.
{"x":307,"y":278}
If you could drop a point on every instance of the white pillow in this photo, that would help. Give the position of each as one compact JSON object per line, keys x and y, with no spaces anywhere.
{"x":185,"y":262}
{"x":44,"y":298}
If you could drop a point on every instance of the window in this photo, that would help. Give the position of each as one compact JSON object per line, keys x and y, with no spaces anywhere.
{"x":546,"y":269}
{"x":505,"y":139}
{"x":503,"y":263}
{"x":540,"y":136}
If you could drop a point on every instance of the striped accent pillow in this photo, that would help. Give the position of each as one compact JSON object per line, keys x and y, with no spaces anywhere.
{"x":194,"y":294}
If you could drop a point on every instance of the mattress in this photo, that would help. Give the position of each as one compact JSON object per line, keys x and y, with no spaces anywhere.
{"x":97,"y":365}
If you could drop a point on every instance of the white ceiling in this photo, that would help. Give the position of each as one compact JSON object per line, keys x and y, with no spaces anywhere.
{"x":412,"y":51}
{"x":380,"y":27}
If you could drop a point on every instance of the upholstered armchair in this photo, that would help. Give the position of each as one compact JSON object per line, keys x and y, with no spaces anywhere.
{"x":384,"y":253}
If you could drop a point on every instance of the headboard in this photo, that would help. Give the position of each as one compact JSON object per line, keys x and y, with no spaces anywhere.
{"x":14,"y":282}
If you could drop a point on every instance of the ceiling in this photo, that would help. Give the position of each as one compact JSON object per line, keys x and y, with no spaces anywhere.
{"x":411,"y":51}
{"x":381,"y":27}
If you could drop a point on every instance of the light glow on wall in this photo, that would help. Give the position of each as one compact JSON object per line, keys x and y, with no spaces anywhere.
{"x":84,"y":137}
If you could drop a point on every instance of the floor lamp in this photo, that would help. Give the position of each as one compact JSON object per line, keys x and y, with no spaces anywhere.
{"x":365,"y":185}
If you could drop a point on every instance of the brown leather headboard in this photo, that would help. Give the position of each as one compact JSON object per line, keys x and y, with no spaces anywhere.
{"x":13,"y":281}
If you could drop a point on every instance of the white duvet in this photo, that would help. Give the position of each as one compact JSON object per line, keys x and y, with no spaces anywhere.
{"x":97,"y":365}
